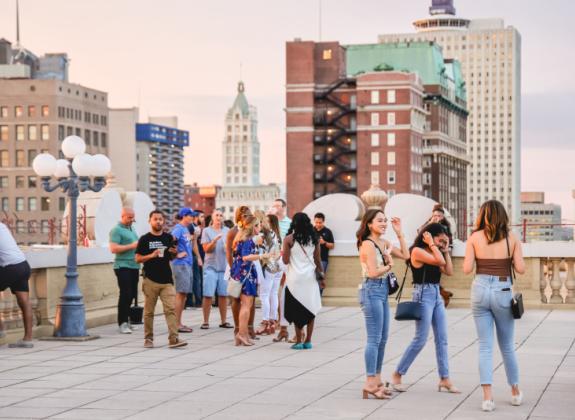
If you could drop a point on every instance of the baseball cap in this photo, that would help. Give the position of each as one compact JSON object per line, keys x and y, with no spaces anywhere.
{"x":185,"y":211}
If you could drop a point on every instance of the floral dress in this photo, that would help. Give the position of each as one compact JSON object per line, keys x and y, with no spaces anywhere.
{"x":245,"y":271}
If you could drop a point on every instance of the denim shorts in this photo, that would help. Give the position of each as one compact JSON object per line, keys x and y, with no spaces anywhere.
{"x":214,"y":281}
{"x":182,"y":277}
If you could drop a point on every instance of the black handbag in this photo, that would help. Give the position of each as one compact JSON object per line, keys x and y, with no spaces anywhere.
{"x":408,"y":311}
{"x":136,"y":312}
{"x":392,"y":283}
{"x":517,"y":299}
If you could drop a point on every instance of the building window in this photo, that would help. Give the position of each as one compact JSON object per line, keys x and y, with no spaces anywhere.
{"x":45,"y":129}
{"x":375,"y":177}
{"x":32,"y":204}
{"x":390,"y":193}
{"x":375,"y":96}
{"x":391,"y":177}
{"x":32,"y":182}
{"x":4,"y":112}
{"x":19,"y":204}
{"x":32,"y":153}
{"x":4,"y":133}
{"x":20,"y":226}
{"x":104,"y":140}
{"x":96,"y":137}
{"x":3,"y":182}
{"x":391,"y":96}
{"x":45,"y":111}
{"x":19,"y":182}
{"x":326,"y":55}
{"x":391,"y":158}
{"x":44,"y":226}
{"x":18,"y":111}
{"x":5,"y":204}
{"x":375,"y":118}
{"x":45,"y":203}
{"x":20,"y":158}
{"x":391,"y":139}
{"x":61,"y":203}
{"x":375,"y":158}
{"x":4,"y":159}
{"x":31,"y":111}
{"x":375,"y":139}
{"x":32,"y":132}
{"x":391,"y":118}
{"x":20,"y":133}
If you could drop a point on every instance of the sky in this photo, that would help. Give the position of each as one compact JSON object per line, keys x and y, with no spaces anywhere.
{"x":183,"y":58}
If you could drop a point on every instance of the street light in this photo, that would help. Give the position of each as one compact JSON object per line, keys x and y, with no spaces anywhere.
{"x":73,"y":176}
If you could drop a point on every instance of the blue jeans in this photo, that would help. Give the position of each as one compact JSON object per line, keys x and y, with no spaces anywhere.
{"x":432,"y":315}
{"x":492,"y":305}
{"x":373,"y":300}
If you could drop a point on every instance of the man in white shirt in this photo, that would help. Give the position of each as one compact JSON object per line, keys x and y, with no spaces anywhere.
{"x":14,"y":274}
{"x":279,"y":208}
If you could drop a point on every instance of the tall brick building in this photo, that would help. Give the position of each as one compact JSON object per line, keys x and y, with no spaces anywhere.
{"x":392,"y":115}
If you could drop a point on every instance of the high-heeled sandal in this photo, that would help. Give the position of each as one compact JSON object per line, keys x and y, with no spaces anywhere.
{"x":452,"y":389}
{"x":263,"y":328}
{"x":271,"y":328}
{"x":378,"y":394}
{"x":242,"y":341}
{"x":282,"y":336}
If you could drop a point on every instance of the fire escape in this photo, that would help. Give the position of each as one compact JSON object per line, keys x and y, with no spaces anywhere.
{"x":335,"y":142}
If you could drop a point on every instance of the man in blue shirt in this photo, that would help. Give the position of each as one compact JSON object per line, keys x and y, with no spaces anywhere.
{"x":183,"y":263}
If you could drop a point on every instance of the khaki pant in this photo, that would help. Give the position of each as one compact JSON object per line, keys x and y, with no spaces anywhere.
{"x":167,"y":295}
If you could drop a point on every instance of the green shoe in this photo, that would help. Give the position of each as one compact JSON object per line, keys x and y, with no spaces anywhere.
{"x":307,"y":346}
{"x":298,"y":346}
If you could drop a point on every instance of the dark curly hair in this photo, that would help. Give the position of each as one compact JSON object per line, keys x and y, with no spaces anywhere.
{"x":435,"y":229}
{"x":302,"y":229}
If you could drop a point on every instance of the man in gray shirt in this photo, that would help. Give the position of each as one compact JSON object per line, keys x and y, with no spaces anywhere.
{"x":213,"y":242}
{"x":14,"y":274}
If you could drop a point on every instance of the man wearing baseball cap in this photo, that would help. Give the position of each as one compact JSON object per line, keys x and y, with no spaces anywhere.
{"x":182,"y":264}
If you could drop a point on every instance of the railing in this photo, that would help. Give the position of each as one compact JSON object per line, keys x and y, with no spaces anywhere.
{"x":557,"y":280}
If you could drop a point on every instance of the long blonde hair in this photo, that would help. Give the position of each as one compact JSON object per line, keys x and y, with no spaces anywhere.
{"x":493,"y":221}
{"x":249,"y":222}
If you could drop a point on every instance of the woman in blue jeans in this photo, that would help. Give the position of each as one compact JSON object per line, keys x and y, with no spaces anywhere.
{"x":494,"y":251}
{"x":429,"y":259}
{"x":375,"y":255}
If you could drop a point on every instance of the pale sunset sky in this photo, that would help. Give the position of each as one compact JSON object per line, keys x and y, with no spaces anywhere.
{"x":182,"y":57}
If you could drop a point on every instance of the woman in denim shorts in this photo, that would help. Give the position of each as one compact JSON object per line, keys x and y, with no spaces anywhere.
{"x":375,"y":255}
{"x":494,"y":251}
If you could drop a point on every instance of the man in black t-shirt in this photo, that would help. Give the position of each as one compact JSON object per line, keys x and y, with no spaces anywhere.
{"x":155,"y":250}
{"x":326,"y":241}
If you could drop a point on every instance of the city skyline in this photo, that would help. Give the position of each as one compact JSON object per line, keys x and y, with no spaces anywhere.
{"x":182,"y":84}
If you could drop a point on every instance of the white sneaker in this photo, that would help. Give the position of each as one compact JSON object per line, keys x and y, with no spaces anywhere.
{"x":517,"y":399}
{"x":488,"y":405}
{"x":125,"y":328}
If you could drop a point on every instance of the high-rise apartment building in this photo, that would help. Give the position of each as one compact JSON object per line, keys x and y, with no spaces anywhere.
{"x":390,"y":115}
{"x":490,"y":57}
{"x":35,"y":116}
{"x":160,"y":162}
{"x":241,"y":157}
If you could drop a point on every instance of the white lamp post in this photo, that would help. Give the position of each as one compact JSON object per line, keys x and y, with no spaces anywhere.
{"x":73,"y":175}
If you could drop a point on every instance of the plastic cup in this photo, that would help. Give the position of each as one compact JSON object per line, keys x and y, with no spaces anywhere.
{"x":162,"y":252}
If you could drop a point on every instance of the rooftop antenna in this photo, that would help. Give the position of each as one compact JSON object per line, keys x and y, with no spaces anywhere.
{"x":319,"y":18}
{"x":17,"y":23}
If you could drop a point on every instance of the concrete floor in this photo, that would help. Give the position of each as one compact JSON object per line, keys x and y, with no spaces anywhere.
{"x":114,"y":377}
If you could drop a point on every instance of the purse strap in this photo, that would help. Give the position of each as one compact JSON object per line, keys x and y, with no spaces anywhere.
{"x":510,"y":260}
{"x":378,"y":248}
{"x":307,"y":256}
{"x":407,"y":265}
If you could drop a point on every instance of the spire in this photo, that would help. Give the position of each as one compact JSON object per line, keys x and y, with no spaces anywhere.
{"x":17,"y":23}
{"x":241,"y":87}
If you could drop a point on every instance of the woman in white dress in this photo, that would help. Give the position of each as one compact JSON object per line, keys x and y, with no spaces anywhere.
{"x":302,"y":293}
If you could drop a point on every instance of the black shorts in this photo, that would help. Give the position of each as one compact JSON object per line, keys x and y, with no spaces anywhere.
{"x":15,"y":277}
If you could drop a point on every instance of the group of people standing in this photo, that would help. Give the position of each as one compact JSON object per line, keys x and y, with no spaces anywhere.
{"x":491,"y":249}
{"x":282,"y":261}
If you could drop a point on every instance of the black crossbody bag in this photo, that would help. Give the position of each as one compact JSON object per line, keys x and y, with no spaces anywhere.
{"x":517,"y":299}
{"x":408,"y":311}
{"x":392,"y":283}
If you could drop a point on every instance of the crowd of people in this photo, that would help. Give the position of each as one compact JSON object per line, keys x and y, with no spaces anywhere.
{"x":206,"y":261}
